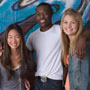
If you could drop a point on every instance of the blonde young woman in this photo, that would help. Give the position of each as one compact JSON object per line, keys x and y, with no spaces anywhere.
{"x":76,"y":71}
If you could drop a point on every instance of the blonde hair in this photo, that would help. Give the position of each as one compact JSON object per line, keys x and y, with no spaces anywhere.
{"x":66,"y":49}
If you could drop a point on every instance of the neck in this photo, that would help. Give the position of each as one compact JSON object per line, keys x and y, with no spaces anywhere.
{"x":15,"y":58}
{"x":71,"y":38}
{"x":45,"y":28}
{"x":14,"y":52}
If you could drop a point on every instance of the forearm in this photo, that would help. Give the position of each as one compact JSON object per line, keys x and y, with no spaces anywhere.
{"x":86,"y":35}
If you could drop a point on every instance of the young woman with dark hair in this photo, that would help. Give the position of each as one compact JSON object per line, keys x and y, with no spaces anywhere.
{"x":14,"y":60}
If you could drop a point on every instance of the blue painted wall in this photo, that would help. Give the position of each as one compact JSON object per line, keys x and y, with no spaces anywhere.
{"x":23,"y":13}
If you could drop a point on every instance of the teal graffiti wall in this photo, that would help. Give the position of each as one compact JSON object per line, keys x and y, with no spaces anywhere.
{"x":22,"y":12}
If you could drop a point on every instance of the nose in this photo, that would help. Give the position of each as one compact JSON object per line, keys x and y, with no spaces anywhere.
{"x":69,"y":25}
{"x":42,"y":16}
{"x":13,"y":39}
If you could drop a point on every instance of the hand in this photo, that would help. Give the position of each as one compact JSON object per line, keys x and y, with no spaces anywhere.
{"x":80,"y":49}
{"x":27,"y":84}
{"x":1,"y":49}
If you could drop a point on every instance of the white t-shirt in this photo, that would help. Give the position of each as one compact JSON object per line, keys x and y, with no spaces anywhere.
{"x":47,"y":46}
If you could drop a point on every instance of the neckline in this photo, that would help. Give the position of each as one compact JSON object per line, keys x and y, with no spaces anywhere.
{"x":16,"y":67}
{"x":46,"y":30}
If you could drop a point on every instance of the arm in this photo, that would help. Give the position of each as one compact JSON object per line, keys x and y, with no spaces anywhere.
{"x":27,"y":84}
{"x":81,"y":44}
{"x":1,"y":48}
{"x":30,"y":75}
{"x":86,"y":35}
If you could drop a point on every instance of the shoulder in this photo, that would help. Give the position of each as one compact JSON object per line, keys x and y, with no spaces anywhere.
{"x":35,"y":32}
{"x":32,"y":34}
{"x":56,"y":26}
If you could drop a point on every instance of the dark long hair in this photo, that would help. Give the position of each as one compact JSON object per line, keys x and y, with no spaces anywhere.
{"x":6,"y":59}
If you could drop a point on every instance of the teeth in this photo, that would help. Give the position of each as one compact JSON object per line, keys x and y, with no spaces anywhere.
{"x":14,"y":44}
{"x":69,"y":29}
{"x":42,"y":21}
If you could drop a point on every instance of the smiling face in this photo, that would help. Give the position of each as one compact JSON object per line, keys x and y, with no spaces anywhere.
{"x":70,"y":25}
{"x":43,"y":16}
{"x":13,"y":39}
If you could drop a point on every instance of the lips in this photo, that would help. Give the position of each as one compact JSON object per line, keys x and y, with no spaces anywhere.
{"x":69,"y":29}
{"x":14,"y":44}
{"x":42,"y":21}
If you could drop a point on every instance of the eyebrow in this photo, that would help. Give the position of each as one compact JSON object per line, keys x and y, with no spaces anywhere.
{"x":14,"y":35}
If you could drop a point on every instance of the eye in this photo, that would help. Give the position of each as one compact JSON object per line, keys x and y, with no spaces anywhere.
{"x":17,"y":36}
{"x":73,"y":22}
{"x":37,"y":14}
{"x":10,"y":37}
{"x":45,"y":12}
{"x":65,"y":22}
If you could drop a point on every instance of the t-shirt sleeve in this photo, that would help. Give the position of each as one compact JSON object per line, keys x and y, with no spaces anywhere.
{"x":29,"y":43}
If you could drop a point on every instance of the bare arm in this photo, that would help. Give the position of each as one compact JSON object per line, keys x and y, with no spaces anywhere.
{"x":86,"y":35}
{"x":81,"y":44}
{"x":27,"y":84}
{"x":1,"y":49}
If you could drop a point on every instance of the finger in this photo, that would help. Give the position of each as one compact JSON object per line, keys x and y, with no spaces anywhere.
{"x":81,"y":54}
{"x":27,"y":88}
{"x":27,"y":84}
{"x":77,"y":53}
{"x":0,"y":47}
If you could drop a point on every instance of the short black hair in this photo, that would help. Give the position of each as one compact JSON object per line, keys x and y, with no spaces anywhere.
{"x":46,"y":4}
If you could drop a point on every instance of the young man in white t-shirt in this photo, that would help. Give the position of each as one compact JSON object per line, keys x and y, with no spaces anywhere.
{"x":46,"y":43}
